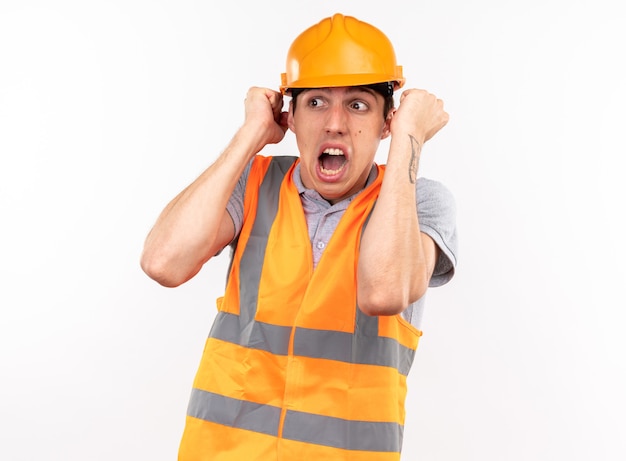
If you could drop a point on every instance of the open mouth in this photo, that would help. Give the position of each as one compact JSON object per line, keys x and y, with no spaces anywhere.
{"x":332,"y":161}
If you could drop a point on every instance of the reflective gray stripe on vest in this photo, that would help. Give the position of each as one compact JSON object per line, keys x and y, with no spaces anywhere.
{"x":299,"y":426}
{"x":256,"y":335}
{"x":342,"y":433}
{"x":254,"y":253}
{"x":231,"y":412}
{"x":353,"y":348}
{"x":364,"y":347}
{"x":359,"y":348}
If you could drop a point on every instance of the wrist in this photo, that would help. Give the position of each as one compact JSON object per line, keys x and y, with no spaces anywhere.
{"x":251,"y":136}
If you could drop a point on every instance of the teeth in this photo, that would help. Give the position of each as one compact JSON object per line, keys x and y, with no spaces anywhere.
{"x":331,"y":172}
{"x":333,"y":151}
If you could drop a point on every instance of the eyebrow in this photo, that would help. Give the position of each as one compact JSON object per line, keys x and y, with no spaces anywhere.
{"x":355,"y":89}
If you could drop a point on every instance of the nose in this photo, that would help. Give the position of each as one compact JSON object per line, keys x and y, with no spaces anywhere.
{"x":336,"y":119}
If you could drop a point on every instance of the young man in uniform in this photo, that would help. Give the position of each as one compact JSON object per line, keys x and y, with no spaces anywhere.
{"x":332,"y":255}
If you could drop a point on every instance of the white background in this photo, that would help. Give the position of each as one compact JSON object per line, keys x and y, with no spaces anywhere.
{"x":109,"y":108}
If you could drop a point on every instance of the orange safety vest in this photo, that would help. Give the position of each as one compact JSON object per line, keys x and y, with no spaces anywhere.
{"x":292,"y":369}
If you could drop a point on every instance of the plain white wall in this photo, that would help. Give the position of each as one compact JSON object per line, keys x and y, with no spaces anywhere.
{"x":109,"y":108}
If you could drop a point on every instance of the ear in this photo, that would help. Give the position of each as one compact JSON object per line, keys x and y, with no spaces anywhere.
{"x":387,"y":126}
{"x":290,"y":122}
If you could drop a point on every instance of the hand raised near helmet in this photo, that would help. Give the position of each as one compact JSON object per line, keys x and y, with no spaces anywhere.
{"x":419,"y":114}
{"x":264,"y":115}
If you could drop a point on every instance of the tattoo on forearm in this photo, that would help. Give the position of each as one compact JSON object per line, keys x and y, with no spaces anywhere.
{"x":416,"y":148}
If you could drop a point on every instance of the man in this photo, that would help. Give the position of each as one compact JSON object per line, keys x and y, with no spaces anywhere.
{"x":315,"y":335}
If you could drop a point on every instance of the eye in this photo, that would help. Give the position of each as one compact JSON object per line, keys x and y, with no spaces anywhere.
{"x":359,"y":106}
{"x":315,"y":102}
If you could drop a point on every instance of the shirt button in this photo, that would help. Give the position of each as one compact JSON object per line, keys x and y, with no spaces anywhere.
{"x":320,"y":245}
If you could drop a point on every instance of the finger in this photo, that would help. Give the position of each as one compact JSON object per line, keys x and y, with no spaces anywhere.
{"x":276,"y":101}
{"x":283,"y":120}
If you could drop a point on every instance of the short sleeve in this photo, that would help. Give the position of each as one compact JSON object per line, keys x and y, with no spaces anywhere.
{"x":235,"y":202}
{"x":436,"y":211}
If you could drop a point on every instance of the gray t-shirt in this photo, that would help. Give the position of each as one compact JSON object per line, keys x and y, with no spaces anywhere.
{"x":436,"y":213}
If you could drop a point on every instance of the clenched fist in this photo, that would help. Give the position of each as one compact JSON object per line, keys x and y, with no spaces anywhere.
{"x":419,"y":114}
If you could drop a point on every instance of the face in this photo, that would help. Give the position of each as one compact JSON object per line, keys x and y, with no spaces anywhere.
{"x":338,"y":131}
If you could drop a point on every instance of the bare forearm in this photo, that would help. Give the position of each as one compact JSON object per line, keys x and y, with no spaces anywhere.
{"x":392,"y":269}
{"x":193,"y":226}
